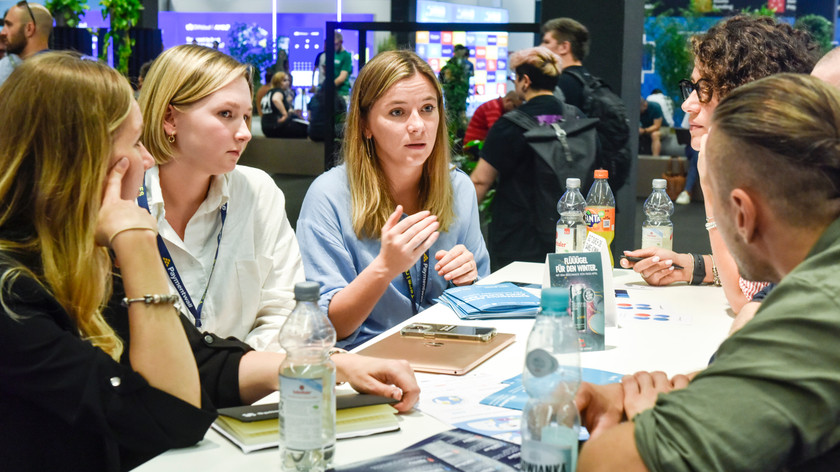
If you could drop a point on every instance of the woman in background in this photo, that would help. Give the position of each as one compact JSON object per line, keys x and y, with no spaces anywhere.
{"x":67,"y":195}
{"x":279,"y":119}
{"x":389,"y":229}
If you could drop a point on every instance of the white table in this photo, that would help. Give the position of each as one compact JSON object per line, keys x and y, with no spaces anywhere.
{"x":671,"y":347}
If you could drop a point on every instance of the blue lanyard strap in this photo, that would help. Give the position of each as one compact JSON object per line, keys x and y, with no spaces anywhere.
{"x":172,"y":271}
{"x":424,"y":277}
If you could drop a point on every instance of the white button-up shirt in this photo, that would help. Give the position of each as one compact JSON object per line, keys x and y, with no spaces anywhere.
{"x":251,"y":290}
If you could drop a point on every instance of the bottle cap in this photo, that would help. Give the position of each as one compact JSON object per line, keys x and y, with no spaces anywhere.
{"x":307,"y":291}
{"x":554,"y":300}
{"x":572,"y":182}
{"x":601,"y":174}
{"x":659,"y":183}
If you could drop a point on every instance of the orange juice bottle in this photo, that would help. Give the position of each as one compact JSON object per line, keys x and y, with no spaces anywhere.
{"x":600,"y":209}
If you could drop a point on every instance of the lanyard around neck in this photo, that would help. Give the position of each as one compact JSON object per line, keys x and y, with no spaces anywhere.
{"x":172,"y":271}
{"x":424,"y":277}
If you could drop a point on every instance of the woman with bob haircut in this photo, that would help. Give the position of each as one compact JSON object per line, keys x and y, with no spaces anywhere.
{"x":70,"y":172}
{"x":733,"y":52}
{"x":196,"y":103}
{"x":225,"y":239}
{"x":371,"y":228}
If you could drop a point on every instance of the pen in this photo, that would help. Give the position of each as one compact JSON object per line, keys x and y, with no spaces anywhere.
{"x":637,"y":259}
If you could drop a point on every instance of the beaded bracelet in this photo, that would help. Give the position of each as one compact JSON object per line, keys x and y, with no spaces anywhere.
{"x":715,"y":273}
{"x":156,"y":299}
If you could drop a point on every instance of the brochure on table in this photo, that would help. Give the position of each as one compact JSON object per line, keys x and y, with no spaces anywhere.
{"x":450,"y":451}
{"x":588,"y":277}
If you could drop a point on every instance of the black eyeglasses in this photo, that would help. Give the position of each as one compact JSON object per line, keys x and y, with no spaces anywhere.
{"x":703,"y":88}
{"x":24,"y":3}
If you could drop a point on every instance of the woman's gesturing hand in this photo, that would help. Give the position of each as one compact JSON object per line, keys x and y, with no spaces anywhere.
{"x":404,"y":241}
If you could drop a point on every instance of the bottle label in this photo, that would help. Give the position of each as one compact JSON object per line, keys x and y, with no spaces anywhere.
{"x":537,"y":456}
{"x":565,"y":241}
{"x":540,"y":363}
{"x":600,"y":218}
{"x":302,"y":401}
{"x":658,"y":236}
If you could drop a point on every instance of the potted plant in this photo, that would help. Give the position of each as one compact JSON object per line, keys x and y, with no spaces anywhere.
{"x":67,"y":12}
{"x":123,"y":14}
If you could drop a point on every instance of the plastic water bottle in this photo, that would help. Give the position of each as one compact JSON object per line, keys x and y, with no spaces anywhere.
{"x":657,"y":229}
{"x":600,"y":209}
{"x":307,"y":386}
{"x":551,"y":377}
{"x":571,"y":230}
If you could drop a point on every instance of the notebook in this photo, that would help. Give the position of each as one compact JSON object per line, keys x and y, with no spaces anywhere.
{"x":254,"y":427}
{"x":439,"y":356}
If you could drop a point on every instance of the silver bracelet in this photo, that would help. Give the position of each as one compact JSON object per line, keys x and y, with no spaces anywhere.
{"x":156,"y":299}
{"x":710,"y":223}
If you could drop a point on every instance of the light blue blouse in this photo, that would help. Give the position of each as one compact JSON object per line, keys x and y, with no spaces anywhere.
{"x":334,"y":256}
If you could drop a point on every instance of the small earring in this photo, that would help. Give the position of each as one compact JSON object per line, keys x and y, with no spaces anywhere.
{"x":369,"y":148}
{"x":171,"y":138}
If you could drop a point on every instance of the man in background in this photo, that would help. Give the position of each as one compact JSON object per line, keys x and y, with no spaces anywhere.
{"x":569,"y":39}
{"x":343,"y":67}
{"x":26,"y":32}
{"x":665,"y":103}
{"x":650,"y":124}
{"x":487,"y":114}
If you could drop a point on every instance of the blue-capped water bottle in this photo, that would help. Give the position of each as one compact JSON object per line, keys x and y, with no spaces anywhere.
{"x":307,"y":385}
{"x":551,"y":377}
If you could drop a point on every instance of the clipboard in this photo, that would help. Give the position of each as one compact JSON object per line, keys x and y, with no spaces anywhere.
{"x":439,"y":356}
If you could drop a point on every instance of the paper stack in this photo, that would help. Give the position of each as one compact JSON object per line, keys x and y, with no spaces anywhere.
{"x":484,"y":302}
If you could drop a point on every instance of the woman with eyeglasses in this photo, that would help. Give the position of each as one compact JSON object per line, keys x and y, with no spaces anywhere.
{"x":735,"y":51}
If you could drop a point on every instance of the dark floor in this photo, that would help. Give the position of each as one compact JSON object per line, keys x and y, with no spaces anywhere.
{"x":689,"y":233}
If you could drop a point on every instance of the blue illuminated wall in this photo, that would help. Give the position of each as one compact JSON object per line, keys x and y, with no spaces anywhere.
{"x":305,"y":31}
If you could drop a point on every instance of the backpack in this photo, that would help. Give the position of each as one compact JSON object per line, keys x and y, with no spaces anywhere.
{"x":613,"y":128}
{"x":563,"y":149}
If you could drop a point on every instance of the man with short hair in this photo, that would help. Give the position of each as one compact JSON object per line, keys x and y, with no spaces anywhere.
{"x":487,"y":114}
{"x":576,"y":86}
{"x":770,"y":398}
{"x":569,"y":39}
{"x":26,"y":32}
{"x":343,"y":66}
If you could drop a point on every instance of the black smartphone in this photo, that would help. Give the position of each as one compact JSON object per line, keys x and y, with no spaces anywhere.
{"x":448,"y":331}
{"x":637,"y":259}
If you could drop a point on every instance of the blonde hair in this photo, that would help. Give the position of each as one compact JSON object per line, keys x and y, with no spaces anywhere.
{"x":181,"y":76}
{"x":54,"y":166}
{"x":371,"y":200}
{"x":540,"y":64}
{"x":277,"y":79}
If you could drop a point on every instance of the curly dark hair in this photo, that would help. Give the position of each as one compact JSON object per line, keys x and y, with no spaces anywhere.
{"x":745,"y":48}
